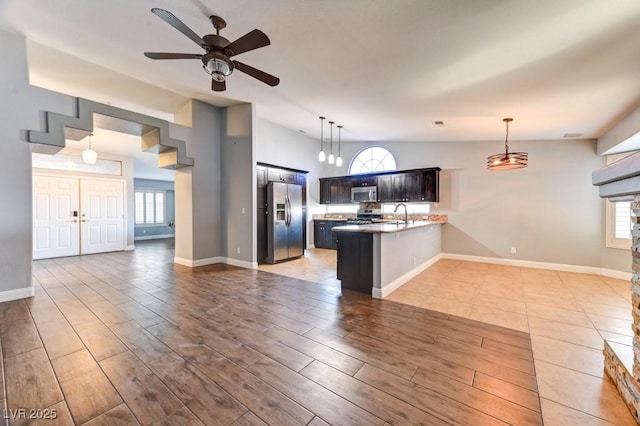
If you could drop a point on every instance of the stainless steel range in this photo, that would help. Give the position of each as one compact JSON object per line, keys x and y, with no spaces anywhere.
{"x":365,"y":217}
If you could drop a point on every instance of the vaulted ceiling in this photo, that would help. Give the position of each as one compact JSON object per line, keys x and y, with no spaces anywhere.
{"x":385,"y":70}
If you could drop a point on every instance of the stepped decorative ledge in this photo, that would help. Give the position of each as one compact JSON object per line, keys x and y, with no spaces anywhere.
{"x":617,"y":182}
{"x":172,"y":153}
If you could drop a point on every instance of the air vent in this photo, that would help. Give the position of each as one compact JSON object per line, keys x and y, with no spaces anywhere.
{"x":439,"y":123}
{"x":572,"y":135}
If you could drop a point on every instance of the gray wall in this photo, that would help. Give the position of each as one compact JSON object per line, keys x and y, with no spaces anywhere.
{"x":168,"y":187}
{"x":20,"y":108}
{"x":549,"y":211}
{"x":198,"y":188}
{"x":238,"y":180}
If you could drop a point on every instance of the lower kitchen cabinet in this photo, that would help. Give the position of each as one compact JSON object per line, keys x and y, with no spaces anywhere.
{"x":355,"y":261}
{"x":323,"y":236}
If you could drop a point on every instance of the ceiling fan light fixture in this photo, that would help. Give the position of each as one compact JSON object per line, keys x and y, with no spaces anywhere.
{"x":218,"y":68}
{"x":508,"y":160}
{"x":89,"y":156}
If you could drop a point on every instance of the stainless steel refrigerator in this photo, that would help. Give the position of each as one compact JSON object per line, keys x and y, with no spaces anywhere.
{"x":285,"y":227}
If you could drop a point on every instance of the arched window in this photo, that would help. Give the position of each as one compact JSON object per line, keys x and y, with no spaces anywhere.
{"x":372,"y":159}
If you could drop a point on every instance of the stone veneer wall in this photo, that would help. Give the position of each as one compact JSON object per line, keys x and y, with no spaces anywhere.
{"x":628,"y":382}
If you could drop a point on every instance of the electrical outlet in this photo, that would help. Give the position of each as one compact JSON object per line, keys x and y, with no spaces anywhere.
{"x":238,"y":250}
{"x":243,"y":210}
{"x":415,"y":261}
{"x":513,"y":250}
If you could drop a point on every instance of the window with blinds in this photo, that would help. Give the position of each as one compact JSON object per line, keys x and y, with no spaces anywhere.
{"x":619,"y":225}
{"x":623,"y":220}
{"x":150,"y":207}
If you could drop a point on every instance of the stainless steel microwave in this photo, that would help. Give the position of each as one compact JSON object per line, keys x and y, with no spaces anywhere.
{"x":364,"y":194}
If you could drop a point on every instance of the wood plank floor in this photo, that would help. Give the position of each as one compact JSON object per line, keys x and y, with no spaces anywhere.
{"x":131,"y":338}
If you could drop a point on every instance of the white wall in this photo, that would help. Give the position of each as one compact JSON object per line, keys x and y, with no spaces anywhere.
{"x":283,"y":147}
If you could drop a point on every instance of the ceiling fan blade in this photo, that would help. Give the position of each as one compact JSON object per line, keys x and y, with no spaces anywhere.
{"x":162,"y":55}
{"x":250,"y":41}
{"x":218,"y":86}
{"x":256,"y":73}
{"x":170,"y":19}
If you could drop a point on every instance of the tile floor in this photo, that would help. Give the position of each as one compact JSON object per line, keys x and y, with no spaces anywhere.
{"x":568,"y":315}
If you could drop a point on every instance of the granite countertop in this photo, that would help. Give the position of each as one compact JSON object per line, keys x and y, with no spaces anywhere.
{"x":332,"y":219}
{"x":387,"y":227}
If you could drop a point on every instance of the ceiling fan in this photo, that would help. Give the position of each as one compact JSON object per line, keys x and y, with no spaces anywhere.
{"x":216,"y":61}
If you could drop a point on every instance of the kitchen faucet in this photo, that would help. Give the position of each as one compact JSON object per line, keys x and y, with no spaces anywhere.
{"x":406,"y":216}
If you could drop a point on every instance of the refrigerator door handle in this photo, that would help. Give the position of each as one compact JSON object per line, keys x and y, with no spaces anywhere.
{"x":287,"y":207}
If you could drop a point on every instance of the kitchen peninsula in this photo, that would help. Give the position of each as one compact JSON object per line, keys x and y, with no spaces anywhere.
{"x":378,"y":258}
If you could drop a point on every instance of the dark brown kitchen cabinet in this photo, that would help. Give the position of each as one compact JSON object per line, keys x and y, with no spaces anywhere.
{"x":368,"y":180}
{"x":355,"y":261}
{"x":413,"y":186}
{"x":430,"y":185}
{"x":323,"y":236}
{"x":261,"y":218}
{"x":282,"y":175}
{"x":335,"y":191}
{"x":325,"y":191}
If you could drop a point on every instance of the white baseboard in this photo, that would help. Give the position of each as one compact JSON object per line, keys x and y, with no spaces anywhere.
{"x":540,"y":265}
{"x":240,"y":263}
{"x":154,"y":237}
{"x":19,"y":293}
{"x":199,"y":262}
{"x":612,"y":273}
{"x":217,"y":259}
{"x":403,"y":279}
{"x":129,"y":248}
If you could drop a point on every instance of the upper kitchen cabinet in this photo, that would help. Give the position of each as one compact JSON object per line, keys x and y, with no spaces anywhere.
{"x":413,"y":186}
{"x":431,"y":185}
{"x":363,"y":180}
{"x":335,"y":191}
{"x":282,"y":175}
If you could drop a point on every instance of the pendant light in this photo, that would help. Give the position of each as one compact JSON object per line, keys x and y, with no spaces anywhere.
{"x":339,"y":159}
{"x":332,"y":158}
{"x":321,"y":155}
{"x":89,"y":156}
{"x":508,"y":160}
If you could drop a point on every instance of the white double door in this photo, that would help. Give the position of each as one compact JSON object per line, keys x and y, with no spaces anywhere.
{"x":73,"y":216}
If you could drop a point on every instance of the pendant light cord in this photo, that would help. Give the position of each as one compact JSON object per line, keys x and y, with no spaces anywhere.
{"x":506,"y":138}
{"x":321,"y":134}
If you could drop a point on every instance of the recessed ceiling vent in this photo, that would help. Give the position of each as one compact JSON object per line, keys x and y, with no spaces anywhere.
{"x":572,"y":135}
{"x":439,"y":123}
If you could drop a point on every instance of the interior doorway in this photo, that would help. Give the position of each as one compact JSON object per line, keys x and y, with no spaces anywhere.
{"x":74,"y":215}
